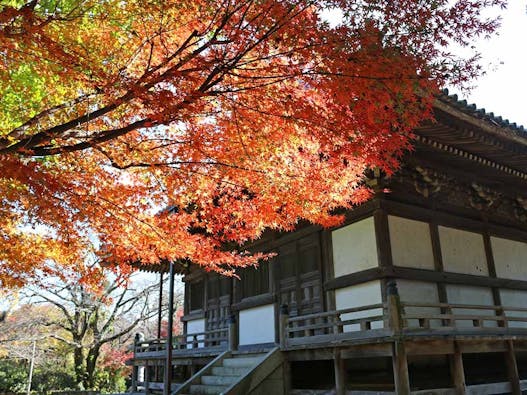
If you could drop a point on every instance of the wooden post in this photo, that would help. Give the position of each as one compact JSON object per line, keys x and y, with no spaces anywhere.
{"x":286,"y":370}
{"x":340,"y":373}
{"x":399,"y":359}
{"x":338,"y":328}
{"x":135,"y":369}
{"x":233,"y":333}
{"x":134,"y":378}
{"x":400,"y":369}
{"x":284,"y":322}
{"x":512,"y":369}
{"x":457,"y":371}
{"x":395,"y":320}
{"x":167,"y":382}
{"x":160,"y":306}
{"x":147,"y":378}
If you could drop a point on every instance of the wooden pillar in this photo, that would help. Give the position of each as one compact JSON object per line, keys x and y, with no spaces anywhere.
{"x":134,"y":378}
{"x":167,"y":382}
{"x":147,"y":378}
{"x":340,"y":373}
{"x":512,"y":368}
{"x":284,"y":322}
{"x":399,"y":359}
{"x":457,"y":371}
{"x":438,"y":267}
{"x":135,"y":369}
{"x":382,"y":239}
{"x":157,"y":373}
{"x":160,"y":306}
{"x":287,"y":376}
{"x":400,"y":368}
{"x":233,"y":333}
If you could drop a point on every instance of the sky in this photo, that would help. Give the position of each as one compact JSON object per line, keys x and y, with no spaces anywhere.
{"x":503,"y":89}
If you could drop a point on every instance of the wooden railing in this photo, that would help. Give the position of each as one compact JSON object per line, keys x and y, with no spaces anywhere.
{"x":395,"y":318}
{"x":334,"y":321}
{"x":448,"y":315}
{"x":392,"y":318}
{"x":217,"y":338}
{"x":330,"y":324}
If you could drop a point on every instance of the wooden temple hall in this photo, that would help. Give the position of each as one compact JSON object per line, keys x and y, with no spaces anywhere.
{"x":422,"y":290}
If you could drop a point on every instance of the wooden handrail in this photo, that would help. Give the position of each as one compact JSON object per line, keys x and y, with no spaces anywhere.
{"x":463,"y":306}
{"x":336,"y":312}
{"x":186,"y":339}
{"x":459,"y":317}
{"x":452,"y":306}
{"x":324,"y":325}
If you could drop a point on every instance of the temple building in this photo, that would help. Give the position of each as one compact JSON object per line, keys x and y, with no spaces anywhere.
{"x":422,"y":290}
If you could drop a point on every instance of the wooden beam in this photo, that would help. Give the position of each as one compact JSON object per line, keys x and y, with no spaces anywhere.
{"x":457,"y":371}
{"x":378,"y":273}
{"x":512,"y":368}
{"x":354,"y":278}
{"x":453,"y":278}
{"x":482,"y":346}
{"x":429,"y":347}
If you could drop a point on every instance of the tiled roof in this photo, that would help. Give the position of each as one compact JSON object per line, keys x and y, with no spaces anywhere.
{"x":481,"y":113}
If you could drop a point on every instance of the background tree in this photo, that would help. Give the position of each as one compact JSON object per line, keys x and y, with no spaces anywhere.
{"x":238,"y":115}
{"x":21,"y":331}
{"x":85,"y":335}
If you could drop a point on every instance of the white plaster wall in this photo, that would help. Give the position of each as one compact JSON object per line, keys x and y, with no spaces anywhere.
{"x":419,"y":292}
{"x":359,"y":295}
{"x":195,"y":326}
{"x":411,"y":243}
{"x":462,"y":251}
{"x":354,"y":247}
{"x":466,"y":294}
{"x":514,"y":298}
{"x":510,"y":258}
{"x":257,"y":325}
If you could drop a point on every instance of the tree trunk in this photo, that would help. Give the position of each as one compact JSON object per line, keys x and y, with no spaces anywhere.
{"x":80,"y":371}
{"x":91,"y":363}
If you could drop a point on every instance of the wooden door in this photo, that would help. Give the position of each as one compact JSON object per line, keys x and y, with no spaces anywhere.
{"x":299,"y":272}
{"x":218,"y":306}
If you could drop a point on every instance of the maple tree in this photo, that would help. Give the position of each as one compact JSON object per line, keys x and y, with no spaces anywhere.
{"x":179,"y":130}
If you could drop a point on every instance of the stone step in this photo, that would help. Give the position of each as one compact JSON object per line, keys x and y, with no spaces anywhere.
{"x":224,"y":371}
{"x":219,"y":380}
{"x":241,"y":362}
{"x":202,"y":389}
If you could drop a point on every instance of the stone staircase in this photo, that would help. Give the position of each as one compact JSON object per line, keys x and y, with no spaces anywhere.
{"x":239,"y":373}
{"x":218,"y":379}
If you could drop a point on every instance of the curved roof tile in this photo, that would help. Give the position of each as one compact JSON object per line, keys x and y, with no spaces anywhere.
{"x":480,"y":113}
